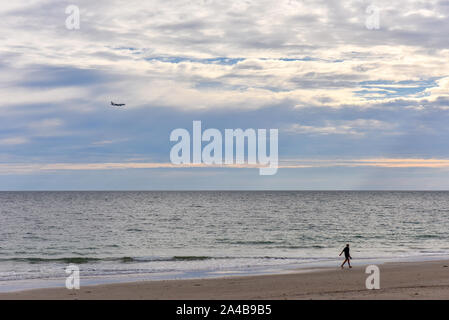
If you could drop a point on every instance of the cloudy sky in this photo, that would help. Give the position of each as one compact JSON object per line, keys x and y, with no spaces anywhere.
{"x":357,"y":107}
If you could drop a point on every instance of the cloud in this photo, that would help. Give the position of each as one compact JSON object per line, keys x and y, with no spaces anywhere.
{"x":440,"y":91}
{"x":297,"y":128}
{"x":46,"y":123}
{"x":376,"y":162}
{"x":13,"y":141}
{"x":7,"y":168}
{"x":315,"y":54}
{"x":350,"y":127}
{"x":310,"y":68}
{"x":106,"y":142}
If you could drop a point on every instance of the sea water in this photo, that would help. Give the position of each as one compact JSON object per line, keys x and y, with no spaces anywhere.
{"x":136,"y":235}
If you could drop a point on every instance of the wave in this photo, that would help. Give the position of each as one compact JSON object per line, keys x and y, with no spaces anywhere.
{"x":190,"y":258}
{"x":83,"y":260}
{"x":146,"y":259}
{"x":33,"y":260}
{"x":257,"y":242}
{"x":127,"y":259}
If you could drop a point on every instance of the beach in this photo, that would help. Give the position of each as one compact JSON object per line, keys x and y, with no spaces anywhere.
{"x":266,"y":245}
{"x":190,"y":150}
{"x":405,"y":280}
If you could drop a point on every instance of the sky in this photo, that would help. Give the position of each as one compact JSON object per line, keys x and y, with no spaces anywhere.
{"x":357,"y":106}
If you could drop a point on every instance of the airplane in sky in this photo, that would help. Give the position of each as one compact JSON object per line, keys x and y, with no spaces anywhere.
{"x":117,"y":104}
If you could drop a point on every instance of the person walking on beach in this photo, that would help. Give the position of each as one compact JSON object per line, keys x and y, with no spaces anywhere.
{"x":347,"y":256}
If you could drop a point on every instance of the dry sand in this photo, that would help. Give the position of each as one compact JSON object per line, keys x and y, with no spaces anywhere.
{"x":410,"y":280}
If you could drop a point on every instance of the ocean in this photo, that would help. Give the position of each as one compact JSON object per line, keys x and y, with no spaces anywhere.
{"x":150,"y":235}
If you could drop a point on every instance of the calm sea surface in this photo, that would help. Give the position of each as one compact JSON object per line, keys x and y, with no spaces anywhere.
{"x":158,"y":235}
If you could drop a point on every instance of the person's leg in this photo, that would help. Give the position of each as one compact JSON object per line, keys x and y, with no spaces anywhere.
{"x":344,"y":263}
{"x":349,"y":262}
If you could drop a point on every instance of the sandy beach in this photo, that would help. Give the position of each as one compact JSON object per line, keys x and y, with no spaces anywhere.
{"x":408,"y":280}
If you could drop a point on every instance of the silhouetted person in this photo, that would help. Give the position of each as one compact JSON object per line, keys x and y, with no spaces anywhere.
{"x":347,"y":256}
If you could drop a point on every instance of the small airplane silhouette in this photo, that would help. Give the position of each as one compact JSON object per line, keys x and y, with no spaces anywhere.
{"x":117,"y":104}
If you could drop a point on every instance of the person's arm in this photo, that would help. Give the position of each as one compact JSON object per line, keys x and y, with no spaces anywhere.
{"x":341,"y":252}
